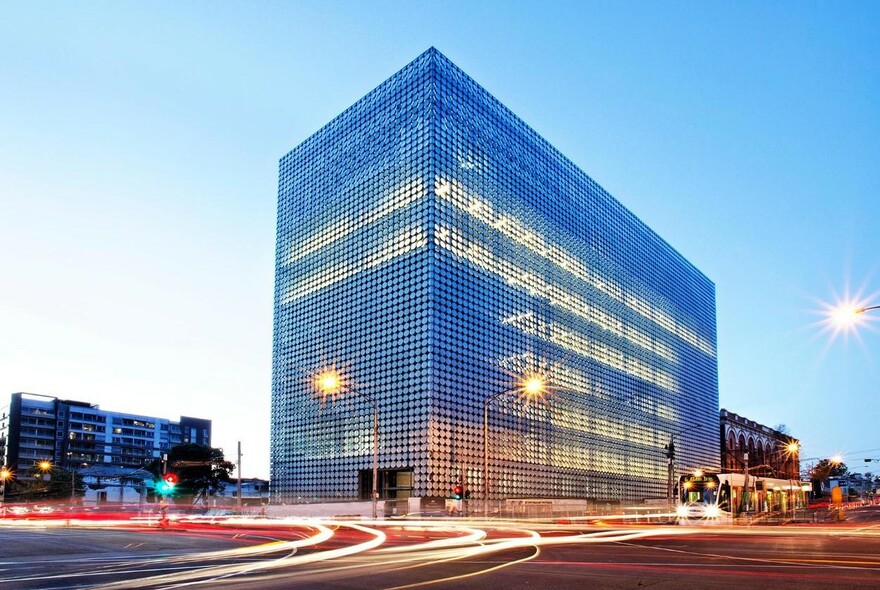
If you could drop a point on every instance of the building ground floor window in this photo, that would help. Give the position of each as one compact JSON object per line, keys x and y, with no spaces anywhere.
{"x":392,"y":484}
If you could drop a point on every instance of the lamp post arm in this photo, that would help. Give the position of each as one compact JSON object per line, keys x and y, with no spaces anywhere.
{"x":868,"y":308}
{"x":688,"y":429}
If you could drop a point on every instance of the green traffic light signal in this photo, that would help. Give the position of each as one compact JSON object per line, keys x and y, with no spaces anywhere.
{"x":166,"y":485}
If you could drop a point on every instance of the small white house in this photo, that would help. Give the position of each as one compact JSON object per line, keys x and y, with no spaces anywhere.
{"x":108,"y":484}
{"x":254,"y":492}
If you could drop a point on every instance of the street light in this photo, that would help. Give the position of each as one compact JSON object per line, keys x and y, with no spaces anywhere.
{"x":791,"y":450}
{"x":329,"y":383}
{"x":531,"y":388}
{"x":670,"y":462}
{"x":5,"y":475}
{"x":45,"y":467}
{"x":847,"y":315}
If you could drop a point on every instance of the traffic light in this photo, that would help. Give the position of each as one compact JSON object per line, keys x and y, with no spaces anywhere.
{"x":457,"y":492}
{"x":166,"y":485}
{"x":670,"y":450}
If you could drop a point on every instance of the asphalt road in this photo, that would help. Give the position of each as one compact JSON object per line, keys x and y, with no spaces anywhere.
{"x":444,"y":555}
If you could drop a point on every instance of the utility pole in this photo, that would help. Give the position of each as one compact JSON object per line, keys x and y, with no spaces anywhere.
{"x":163,"y":519}
{"x":745,"y":498}
{"x":670,"y":460}
{"x":238,"y":493}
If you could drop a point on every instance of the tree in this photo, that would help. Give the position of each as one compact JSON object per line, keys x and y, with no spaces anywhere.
{"x":52,"y":483}
{"x":822,"y":471}
{"x":201,"y":470}
{"x":827,"y":468}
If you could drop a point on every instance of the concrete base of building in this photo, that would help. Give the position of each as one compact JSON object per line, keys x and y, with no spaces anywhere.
{"x":326,"y":510}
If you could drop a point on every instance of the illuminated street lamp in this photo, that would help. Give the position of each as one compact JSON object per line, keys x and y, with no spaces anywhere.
{"x":329,"y":383}
{"x":531,"y":387}
{"x":845,"y":316}
{"x":791,"y":450}
{"x":5,"y":475}
{"x":45,"y":467}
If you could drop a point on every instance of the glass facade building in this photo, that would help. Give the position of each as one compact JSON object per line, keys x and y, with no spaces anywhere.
{"x":434,"y":251}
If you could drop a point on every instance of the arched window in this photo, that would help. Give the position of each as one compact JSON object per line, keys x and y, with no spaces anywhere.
{"x":768,"y":458}
{"x":732,"y":453}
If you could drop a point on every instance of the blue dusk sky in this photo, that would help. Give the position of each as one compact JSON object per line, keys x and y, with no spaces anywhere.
{"x":139,"y":147}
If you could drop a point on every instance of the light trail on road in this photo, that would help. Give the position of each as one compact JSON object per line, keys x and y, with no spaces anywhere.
{"x":421,"y":552}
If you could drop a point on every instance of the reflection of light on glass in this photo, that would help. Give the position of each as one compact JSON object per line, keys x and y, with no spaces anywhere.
{"x":407,"y":193}
{"x":574,"y":380}
{"x":594,"y":349}
{"x":454,"y":241}
{"x":400,"y":244}
{"x":455,"y":194}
